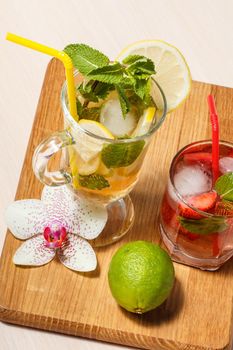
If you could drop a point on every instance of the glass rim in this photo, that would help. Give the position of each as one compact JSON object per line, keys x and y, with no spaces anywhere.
{"x":171,"y":177}
{"x":123,"y":140}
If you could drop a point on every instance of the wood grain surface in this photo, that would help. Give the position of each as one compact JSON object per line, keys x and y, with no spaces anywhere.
{"x":198,"y":313}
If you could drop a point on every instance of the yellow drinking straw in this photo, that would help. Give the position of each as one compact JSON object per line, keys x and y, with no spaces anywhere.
{"x":62,"y":56}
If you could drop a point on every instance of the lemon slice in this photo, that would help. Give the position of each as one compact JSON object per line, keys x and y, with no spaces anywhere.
{"x":144,"y":122}
{"x":172,"y":71}
{"x":88,"y":146}
{"x":81,"y":167}
{"x":111,"y":116}
{"x":95,"y":128}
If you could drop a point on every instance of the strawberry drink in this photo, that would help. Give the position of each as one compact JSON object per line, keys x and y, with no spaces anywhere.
{"x":196,"y":217}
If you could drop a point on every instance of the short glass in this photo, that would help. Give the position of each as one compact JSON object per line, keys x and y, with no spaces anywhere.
{"x":108,"y":169}
{"x":199,"y":238}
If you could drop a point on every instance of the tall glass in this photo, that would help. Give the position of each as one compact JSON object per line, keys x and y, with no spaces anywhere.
{"x":101,"y":169}
{"x":196,"y":223}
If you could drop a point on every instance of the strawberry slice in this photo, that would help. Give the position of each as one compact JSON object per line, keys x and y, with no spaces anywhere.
{"x":203,"y":202}
{"x":193,"y":158}
{"x":166,"y":211}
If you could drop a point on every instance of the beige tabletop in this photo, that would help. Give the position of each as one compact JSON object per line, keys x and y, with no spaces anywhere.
{"x":201,"y":29}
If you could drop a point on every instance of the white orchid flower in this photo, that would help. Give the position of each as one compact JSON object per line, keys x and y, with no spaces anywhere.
{"x":58,"y":224}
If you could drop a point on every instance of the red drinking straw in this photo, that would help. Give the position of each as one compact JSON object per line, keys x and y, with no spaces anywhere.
{"x":215,"y":156}
{"x":215,"y":137}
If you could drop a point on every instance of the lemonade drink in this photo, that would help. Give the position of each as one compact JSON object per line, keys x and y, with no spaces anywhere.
{"x":105,"y":162}
{"x":117,"y":110}
{"x":120,"y":105}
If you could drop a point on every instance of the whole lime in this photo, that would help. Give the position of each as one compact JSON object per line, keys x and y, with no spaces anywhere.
{"x":141,"y":276}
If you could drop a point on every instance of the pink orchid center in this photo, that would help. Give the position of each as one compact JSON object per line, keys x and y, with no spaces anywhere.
{"x":54,"y":236}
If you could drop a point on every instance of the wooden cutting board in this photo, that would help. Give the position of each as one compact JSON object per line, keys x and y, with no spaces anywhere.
{"x":198,"y":313}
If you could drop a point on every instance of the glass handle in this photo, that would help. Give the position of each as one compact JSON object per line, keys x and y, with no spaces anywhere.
{"x":44,"y":152}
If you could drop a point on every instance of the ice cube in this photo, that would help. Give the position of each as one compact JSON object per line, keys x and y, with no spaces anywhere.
{"x":226,"y":165}
{"x":111,"y":116}
{"x":172,"y":198}
{"x":192,"y":180}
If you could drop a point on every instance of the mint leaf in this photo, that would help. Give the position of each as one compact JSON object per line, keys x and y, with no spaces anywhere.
{"x":224,"y":186}
{"x":79,"y":107}
{"x":121,"y":154}
{"x":85,"y":58}
{"x":124,"y":102}
{"x":138,"y":104}
{"x":86,"y":90}
{"x":132,"y":59}
{"x":140,"y":88}
{"x":111,"y":74}
{"x":94,"y":90}
{"x":148,"y":100}
{"x":90,"y":113}
{"x":204,"y":226}
{"x":102,"y":90}
{"x":128,"y":83}
{"x":93,"y":181}
{"x":141,"y":68}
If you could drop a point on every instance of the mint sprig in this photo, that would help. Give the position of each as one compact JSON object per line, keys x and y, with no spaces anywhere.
{"x":85,"y":58}
{"x":124,"y":102}
{"x":111,"y":74}
{"x":121,"y":154}
{"x":87,"y":91}
{"x":92,"y":113}
{"x":93,"y":91}
{"x":93,"y":181}
{"x":131,"y":77}
{"x":204,"y":226}
{"x":132,"y":59}
{"x":102,"y":90}
{"x":139,"y":67}
{"x":224,"y":186}
{"x":142,"y":89}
